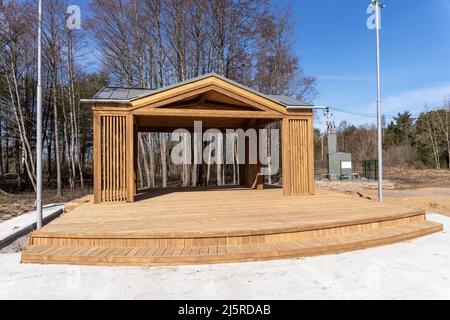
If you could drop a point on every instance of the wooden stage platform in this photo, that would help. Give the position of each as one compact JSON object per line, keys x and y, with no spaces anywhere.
{"x":219,"y":226}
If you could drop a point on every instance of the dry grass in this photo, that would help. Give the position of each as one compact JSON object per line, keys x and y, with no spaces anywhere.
{"x":13,"y":205}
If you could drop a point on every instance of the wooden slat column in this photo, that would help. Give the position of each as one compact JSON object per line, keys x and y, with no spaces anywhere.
{"x":130,"y":158}
{"x":97,"y":131}
{"x":298,"y":156}
{"x":110,"y":162}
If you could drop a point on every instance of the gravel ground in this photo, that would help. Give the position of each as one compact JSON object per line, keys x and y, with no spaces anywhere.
{"x":417,"y":269}
{"x":16,"y":246}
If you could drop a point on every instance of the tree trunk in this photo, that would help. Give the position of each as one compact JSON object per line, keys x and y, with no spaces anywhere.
{"x":219,"y":172}
{"x":445,"y":129}
{"x":186,"y":176}
{"x":75,"y":141}
{"x":2,"y":172}
{"x":434,"y":143}
{"x":208,"y":171}
{"x":26,"y":149}
{"x":18,"y":171}
{"x":143,"y":157}
{"x":49,"y":155}
{"x":57,"y":147}
{"x":66,"y":142}
{"x":7,"y":154}
{"x":152,"y":160}
{"x":139,"y":166}
{"x":163,"y":151}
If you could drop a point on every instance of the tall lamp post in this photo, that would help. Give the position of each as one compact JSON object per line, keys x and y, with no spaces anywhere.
{"x":39,"y":126}
{"x":379,"y":6}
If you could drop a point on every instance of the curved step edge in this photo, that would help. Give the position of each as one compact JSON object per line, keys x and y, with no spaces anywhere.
{"x":261,"y":253}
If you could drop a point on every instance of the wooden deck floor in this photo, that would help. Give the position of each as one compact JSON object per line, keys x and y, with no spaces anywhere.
{"x":231,"y":212}
{"x":231,"y":224}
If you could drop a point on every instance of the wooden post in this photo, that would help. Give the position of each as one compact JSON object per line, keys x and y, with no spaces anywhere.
{"x":298,"y":156}
{"x":311,"y":167}
{"x":285,"y":157}
{"x":242,"y":175}
{"x":252,"y":172}
{"x":131,"y":176}
{"x":97,"y":158}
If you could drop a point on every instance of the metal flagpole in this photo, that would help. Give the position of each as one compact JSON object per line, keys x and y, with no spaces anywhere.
{"x":39,"y":126}
{"x":378,"y":5}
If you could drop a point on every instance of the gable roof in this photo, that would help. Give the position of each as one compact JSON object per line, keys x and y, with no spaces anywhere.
{"x":128,"y":95}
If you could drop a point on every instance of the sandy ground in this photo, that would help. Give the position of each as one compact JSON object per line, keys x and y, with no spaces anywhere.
{"x":418,"y":269}
{"x":436,"y":199}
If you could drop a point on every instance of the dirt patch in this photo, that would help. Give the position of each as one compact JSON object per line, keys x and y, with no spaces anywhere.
{"x":416,"y":179}
{"x":427,"y":190}
{"x":428,"y":199}
{"x":13,"y":205}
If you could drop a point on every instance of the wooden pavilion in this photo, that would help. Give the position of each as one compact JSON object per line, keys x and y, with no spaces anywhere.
{"x":203,"y":225}
{"x":120,"y":114}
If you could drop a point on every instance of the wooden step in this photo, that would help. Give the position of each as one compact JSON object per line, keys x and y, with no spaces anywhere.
{"x":168,"y":255}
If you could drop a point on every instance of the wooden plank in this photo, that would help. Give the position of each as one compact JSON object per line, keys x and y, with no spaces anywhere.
{"x":124,"y":160}
{"x":311,"y":168}
{"x":285,"y":155}
{"x":109,"y":160}
{"x":97,"y":158}
{"x":234,"y":210}
{"x":130,"y":153}
{"x":251,"y":252}
{"x":103,"y":160}
{"x":112,"y":152}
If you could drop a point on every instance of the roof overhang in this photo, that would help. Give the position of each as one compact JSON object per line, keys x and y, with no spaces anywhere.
{"x":313,"y":107}
{"x":93,"y":101}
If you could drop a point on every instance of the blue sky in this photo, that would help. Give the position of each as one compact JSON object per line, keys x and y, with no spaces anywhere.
{"x":336,"y":47}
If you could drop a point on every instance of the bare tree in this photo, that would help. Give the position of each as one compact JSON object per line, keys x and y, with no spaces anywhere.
{"x":430,"y":117}
{"x":53,"y":48}
{"x":15,"y":57}
{"x":163,"y":155}
{"x":443,"y":119}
